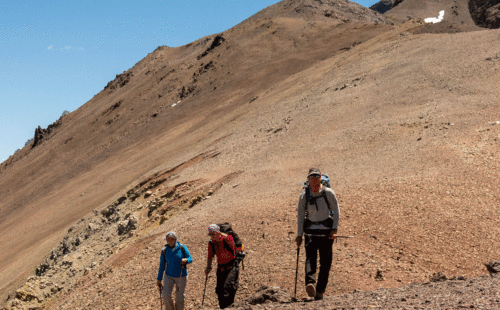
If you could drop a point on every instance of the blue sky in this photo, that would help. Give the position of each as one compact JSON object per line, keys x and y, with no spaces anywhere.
{"x":56,"y":55}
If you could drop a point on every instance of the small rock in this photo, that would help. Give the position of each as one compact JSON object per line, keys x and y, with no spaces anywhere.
{"x":379,"y":276}
{"x":493,"y":266}
{"x":93,"y":227}
{"x":438,"y":277}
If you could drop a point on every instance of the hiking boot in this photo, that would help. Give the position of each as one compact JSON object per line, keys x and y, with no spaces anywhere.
{"x":310,"y":290}
{"x":319,"y":296}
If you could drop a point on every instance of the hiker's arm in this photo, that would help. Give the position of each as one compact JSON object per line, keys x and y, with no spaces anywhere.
{"x":335,"y":209}
{"x":188,"y":258}
{"x":161,"y":269}
{"x":301,"y":213}
{"x":332,"y":198}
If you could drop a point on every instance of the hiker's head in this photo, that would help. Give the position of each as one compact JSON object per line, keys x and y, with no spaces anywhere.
{"x":314,"y":178}
{"x":171,"y":238}
{"x":214,"y":232}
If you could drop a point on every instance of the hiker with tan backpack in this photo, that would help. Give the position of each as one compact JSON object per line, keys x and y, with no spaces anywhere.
{"x":173,"y":260}
{"x":318,"y":220}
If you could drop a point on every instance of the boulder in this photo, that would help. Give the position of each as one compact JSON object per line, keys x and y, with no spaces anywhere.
{"x":438,"y":277}
{"x":25,"y":295}
{"x":127,"y":225}
{"x":265,"y":294}
{"x":493,"y":266}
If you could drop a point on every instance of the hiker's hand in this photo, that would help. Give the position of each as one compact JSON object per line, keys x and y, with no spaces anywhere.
{"x":159,"y":283}
{"x":184,"y":261}
{"x":333,"y":234}
{"x":207,"y":271}
{"x":298,"y":239}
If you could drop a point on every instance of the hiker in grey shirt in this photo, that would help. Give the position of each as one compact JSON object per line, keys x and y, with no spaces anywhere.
{"x":318,"y":219}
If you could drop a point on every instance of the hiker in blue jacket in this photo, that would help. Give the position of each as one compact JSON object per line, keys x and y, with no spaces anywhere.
{"x":176,"y":257}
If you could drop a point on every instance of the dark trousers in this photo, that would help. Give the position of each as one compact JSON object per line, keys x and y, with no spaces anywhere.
{"x":324,"y":246}
{"x":227,"y":284}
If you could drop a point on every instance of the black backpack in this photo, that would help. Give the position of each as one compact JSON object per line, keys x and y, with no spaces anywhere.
{"x":238,"y":244}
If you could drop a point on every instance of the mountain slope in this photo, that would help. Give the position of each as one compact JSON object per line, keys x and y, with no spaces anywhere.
{"x":132,"y":128}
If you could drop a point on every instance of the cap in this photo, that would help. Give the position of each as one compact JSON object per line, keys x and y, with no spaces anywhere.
{"x":314,"y":172}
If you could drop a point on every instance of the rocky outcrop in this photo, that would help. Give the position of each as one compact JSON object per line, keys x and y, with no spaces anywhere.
{"x":385,"y":5}
{"x":44,"y":134}
{"x":493,"y":266}
{"x":120,"y":81}
{"x":382,"y":6}
{"x":485,"y":13}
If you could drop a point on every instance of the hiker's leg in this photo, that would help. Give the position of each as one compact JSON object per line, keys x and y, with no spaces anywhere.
{"x":219,"y":289}
{"x":168,"y":287}
{"x":181,"y":284}
{"x":325,"y":260}
{"x":222,"y":292}
{"x":231,"y":285}
{"x":311,"y":258}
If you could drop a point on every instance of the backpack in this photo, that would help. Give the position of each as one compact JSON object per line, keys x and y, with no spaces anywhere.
{"x":325,"y":181}
{"x":238,"y":244}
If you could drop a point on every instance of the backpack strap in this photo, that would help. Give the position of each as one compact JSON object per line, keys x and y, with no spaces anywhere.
{"x":183,"y":250}
{"x":323,"y":194}
{"x":163,"y":252}
{"x":326,"y":200}
{"x":226,"y":246}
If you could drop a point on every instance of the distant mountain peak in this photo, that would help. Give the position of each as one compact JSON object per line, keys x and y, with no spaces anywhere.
{"x":342,"y":10}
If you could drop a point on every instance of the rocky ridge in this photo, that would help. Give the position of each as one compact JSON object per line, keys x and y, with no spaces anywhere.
{"x":93,"y":239}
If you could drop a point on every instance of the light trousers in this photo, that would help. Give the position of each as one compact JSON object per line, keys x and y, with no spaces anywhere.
{"x":168,"y":286}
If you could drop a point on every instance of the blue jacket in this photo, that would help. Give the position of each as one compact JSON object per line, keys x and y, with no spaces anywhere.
{"x":173,"y":258}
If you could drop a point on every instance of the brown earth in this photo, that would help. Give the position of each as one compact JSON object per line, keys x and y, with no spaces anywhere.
{"x":403,"y":117}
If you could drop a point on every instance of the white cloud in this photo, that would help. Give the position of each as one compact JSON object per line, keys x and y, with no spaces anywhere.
{"x":65,"y":48}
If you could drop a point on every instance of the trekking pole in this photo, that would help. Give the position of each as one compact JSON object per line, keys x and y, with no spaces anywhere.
{"x":312,"y":235}
{"x":203,"y":300}
{"x":326,"y":236}
{"x":296,"y":274}
{"x":161,"y":300}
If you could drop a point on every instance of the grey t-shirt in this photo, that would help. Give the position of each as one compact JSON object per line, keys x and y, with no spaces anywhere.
{"x":321,"y":214}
